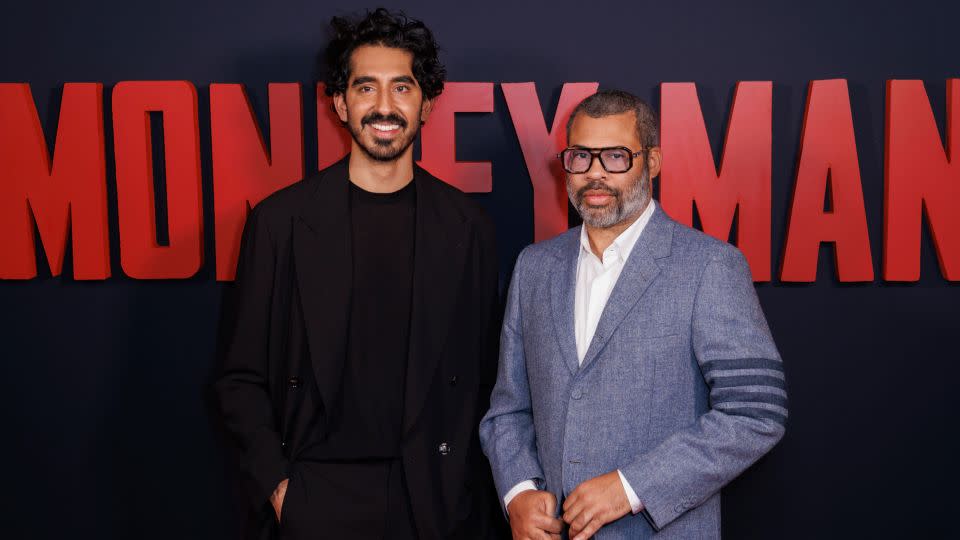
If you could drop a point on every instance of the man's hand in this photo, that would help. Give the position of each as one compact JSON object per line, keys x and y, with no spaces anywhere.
{"x":595,"y":503}
{"x":531,"y":516}
{"x":276,"y":499}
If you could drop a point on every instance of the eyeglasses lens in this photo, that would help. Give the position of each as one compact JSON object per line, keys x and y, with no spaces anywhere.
{"x":576,"y":161}
{"x":615,"y":160}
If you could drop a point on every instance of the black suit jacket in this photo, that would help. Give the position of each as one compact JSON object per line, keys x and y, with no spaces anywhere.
{"x":284,"y":331}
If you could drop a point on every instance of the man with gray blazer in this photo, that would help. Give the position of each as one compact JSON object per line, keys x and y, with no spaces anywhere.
{"x":637,"y":373}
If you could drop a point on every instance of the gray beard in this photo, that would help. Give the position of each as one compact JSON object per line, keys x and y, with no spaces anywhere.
{"x":628,"y":203}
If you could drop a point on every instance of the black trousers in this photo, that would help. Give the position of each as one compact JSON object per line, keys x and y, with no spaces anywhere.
{"x":362,"y":500}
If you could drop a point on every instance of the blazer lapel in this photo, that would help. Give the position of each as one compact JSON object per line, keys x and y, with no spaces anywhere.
{"x":324,"y":270}
{"x":439,"y":257}
{"x":563,"y":286}
{"x":640,"y":271}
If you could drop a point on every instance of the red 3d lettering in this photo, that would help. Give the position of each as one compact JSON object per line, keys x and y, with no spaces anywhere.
{"x":828,"y":169}
{"x":244,"y":171}
{"x":540,"y":147}
{"x":61,"y":192}
{"x":141,"y":256}
{"x":67,"y":198}
{"x":333,"y":141}
{"x":438,"y":137}
{"x":921,"y":178}
{"x":689,"y":175}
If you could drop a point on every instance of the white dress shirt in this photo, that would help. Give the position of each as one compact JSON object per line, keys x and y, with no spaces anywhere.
{"x":595,"y":281}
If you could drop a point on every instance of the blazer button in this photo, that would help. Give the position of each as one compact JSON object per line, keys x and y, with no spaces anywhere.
{"x":577,"y":394}
{"x":294,"y":382}
{"x":444,"y":449}
{"x":453,"y":380}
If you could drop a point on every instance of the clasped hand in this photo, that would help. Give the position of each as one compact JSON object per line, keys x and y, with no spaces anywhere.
{"x":591,"y":505}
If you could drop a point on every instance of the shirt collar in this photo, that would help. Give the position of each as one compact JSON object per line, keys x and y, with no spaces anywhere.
{"x":623,"y":244}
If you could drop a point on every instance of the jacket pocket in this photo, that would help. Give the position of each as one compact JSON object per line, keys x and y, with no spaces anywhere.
{"x":288,"y":506}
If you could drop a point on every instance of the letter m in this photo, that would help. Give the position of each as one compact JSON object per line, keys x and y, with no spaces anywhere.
{"x":64,"y":199}
{"x":741,"y":189}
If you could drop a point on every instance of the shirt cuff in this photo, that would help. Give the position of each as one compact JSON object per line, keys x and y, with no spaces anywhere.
{"x":635,"y":505}
{"x":526,"y":485}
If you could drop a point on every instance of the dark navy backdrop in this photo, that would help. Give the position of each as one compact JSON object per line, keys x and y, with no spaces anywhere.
{"x":103,"y":382}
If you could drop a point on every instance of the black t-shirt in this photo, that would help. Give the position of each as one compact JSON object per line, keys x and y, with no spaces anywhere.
{"x":383,"y":228}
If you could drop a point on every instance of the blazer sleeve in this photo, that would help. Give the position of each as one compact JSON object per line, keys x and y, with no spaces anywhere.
{"x":748,"y":401}
{"x":242,"y":384}
{"x":490,"y":312}
{"x":506,"y":431}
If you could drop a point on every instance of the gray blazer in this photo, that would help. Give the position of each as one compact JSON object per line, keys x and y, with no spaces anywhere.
{"x":682,"y":387}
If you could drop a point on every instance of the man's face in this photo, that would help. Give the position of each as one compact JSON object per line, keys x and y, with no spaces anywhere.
{"x":606,"y":199}
{"x":382,"y":106}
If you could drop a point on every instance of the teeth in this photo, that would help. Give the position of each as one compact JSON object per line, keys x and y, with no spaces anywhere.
{"x":385,"y":127}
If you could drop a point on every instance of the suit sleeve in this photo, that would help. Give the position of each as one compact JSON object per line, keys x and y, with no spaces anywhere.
{"x":507,"y":432}
{"x":748,"y":400}
{"x":490,"y":314}
{"x":242,"y":384}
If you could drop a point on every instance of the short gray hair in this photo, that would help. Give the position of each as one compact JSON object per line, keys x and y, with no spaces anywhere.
{"x":610,"y":102}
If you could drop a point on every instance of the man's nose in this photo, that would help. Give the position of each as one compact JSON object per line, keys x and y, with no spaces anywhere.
{"x":384,"y":103}
{"x":596,"y":170}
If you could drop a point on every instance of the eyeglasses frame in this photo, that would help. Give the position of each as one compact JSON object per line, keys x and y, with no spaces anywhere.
{"x":595,"y":154}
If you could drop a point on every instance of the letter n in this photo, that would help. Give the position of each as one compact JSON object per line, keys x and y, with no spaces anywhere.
{"x":921,"y":178}
{"x":244,"y":172}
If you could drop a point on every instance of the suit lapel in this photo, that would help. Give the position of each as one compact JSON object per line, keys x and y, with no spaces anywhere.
{"x":563,"y":286}
{"x":439,"y":257}
{"x":324,"y":270}
{"x":640,"y":271}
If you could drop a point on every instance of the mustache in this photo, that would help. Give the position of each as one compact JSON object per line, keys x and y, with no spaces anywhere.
{"x":378,"y":118}
{"x":597,"y":185}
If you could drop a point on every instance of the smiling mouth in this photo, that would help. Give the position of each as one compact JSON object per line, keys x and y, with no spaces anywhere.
{"x":385,"y":128}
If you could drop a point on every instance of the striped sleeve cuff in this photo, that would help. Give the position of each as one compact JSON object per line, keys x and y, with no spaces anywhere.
{"x":752,"y":387}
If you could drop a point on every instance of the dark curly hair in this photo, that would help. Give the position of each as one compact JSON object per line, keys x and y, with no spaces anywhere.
{"x":381,"y":27}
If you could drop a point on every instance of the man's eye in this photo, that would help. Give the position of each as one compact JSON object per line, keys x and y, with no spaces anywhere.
{"x":366,"y":89}
{"x":616,"y":155}
{"x":581,"y":155}
{"x":402,"y":88}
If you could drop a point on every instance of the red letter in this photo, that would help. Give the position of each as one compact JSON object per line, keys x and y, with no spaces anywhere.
{"x":689,"y":175}
{"x":438,"y":151}
{"x":244,"y":172}
{"x":540,"y":148}
{"x":70,"y":195}
{"x":140,"y":255}
{"x":920,"y":175}
{"x":333,"y":139}
{"x":828,"y":149}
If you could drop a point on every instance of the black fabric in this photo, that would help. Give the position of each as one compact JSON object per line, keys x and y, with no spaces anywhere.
{"x":286,"y":331}
{"x":370,"y":413}
{"x":365,"y":501}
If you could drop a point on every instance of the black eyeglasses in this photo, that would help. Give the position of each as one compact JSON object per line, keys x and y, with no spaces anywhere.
{"x":614,"y":159}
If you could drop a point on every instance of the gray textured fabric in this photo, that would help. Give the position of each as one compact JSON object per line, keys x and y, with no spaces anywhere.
{"x":682,"y":387}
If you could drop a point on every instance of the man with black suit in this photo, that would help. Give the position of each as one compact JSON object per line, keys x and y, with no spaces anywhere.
{"x":360,"y":335}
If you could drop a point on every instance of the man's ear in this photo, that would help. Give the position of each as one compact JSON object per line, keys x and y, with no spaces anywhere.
{"x":654,"y":161}
{"x":425,"y":110}
{"x":340,"y":106}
